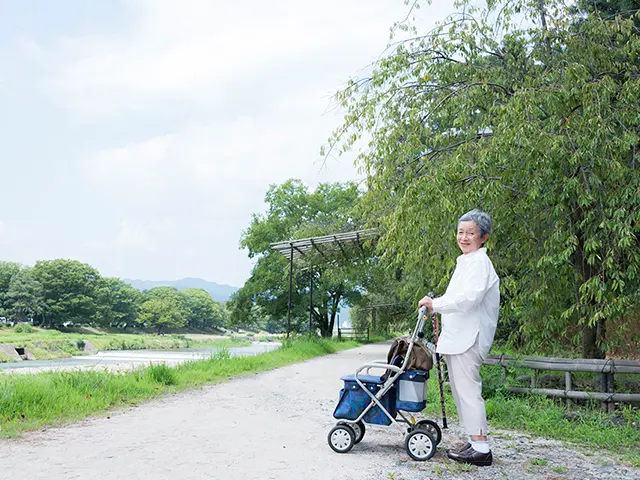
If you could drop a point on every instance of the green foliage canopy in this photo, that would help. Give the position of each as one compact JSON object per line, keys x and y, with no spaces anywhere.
{"x":164,"y":307}
{"x":24,"y":298}
{"x":69,"y":288}
{"x":539,"y":125}
{"x":203,"y":312}
{"x":295,"y":212}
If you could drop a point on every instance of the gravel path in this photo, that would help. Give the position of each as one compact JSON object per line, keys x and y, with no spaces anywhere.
{"x":271,"y":425}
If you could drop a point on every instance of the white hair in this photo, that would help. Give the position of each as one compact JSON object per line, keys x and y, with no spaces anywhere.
{"x":482,"y":219}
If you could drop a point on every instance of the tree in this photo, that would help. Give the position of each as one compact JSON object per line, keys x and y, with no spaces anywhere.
{"x":163,"y":308}
{"x":117,"y":303}
{"x":203,"y":311}
{"x":537,"y":125}
{"x":244,"y":313}
{"x":7,"y":271}
{"x":69,"y":289}
{"x":24,"y":298}
{"x":295,"y":212}
{"x":605,"y":8}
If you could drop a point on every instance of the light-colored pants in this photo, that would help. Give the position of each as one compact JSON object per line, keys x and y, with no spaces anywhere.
{"x":466,"y":387}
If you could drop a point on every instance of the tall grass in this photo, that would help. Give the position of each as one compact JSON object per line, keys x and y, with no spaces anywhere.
{"x":29,"y":402}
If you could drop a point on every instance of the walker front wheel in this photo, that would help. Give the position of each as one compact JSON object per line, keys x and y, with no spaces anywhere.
{"x":358,"y":429}
{"x":420,"y":445}
{"x":341,"y":438}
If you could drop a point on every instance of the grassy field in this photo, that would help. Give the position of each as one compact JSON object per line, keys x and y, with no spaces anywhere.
{"x":29,"y":402}
{"x":52,"y":344}
{"x":545,"y":417}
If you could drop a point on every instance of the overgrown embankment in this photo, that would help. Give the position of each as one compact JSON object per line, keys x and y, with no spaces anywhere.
{"x":44,"y":344}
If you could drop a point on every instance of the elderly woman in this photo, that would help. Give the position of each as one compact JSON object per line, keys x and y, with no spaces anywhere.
{"x":470,"y":309}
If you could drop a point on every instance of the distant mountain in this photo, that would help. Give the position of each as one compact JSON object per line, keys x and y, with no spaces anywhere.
{"x":220,"y":293}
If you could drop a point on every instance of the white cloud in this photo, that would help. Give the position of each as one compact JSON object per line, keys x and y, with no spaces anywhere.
{"x":193,"y":109}
{"x":196,"y":50}
{"x":229,"y":165}
{"x":134,"y":236}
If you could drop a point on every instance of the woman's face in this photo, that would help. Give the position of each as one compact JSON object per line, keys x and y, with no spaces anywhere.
{"x":469,"y":239}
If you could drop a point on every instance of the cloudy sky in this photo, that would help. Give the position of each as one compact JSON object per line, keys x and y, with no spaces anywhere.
{"x":139,"y":135}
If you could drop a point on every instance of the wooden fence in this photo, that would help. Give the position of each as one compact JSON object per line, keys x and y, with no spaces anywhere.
{"x":356,"y":334}
{"x":606,"y":368}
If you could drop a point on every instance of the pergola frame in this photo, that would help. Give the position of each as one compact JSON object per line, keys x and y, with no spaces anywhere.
{"x":297,"y":249}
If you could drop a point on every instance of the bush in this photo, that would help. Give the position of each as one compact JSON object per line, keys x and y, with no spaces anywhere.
{"x":23,"y":328}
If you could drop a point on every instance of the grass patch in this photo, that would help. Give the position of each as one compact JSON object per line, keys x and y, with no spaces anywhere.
{"x":29,"y":402}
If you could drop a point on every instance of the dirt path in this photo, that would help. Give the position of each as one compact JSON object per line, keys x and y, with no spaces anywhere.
{"x":267,"y":426}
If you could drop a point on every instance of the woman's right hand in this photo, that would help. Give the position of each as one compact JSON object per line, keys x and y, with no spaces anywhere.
{"x":426,"y":301}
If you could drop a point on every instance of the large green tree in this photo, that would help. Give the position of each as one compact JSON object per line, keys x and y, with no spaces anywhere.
{"x":24,"y":298}
{"x":7,"y":271}
{"x":163,"y":308}
{"x":540,"y":126}
{"x":117,"y":303}
{"x":69,"y":290}
{"x":295,"y":212}
{"x":203,"y":311}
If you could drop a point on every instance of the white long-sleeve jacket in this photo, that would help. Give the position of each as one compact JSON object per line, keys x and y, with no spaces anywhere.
{"x":470,"y":307}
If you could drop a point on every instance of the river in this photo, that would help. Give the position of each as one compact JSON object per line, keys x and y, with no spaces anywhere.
{"x":133,"y":357}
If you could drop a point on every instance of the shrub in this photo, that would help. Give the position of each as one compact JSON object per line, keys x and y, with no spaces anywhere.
{"x":23,"y":328}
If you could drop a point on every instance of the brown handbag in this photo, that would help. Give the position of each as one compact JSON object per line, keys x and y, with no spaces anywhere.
{"x":419,"y":359}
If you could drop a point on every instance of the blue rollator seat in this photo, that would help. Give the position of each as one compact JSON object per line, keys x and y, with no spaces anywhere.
{"x":353,"y":400}
{"x":407,"y":394}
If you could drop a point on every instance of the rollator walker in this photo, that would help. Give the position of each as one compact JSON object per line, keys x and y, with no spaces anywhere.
{"x":385,"y":400}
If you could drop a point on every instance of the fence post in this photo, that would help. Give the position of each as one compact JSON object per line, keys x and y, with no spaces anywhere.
{"x":611,"y":407}
{"x":568,"y":385}
{"x":339,"y":334}
{"x":604,"y":405}
{"x":368,"y":338}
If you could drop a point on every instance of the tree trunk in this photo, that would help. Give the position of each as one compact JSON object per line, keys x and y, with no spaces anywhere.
{"x":590,"y":343}
{"x":322,"y":317}
{"x":592,"y":338}
{"x":326,"y":330}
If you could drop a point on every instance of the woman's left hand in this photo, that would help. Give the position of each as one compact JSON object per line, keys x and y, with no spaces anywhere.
{"x":426,"y":301}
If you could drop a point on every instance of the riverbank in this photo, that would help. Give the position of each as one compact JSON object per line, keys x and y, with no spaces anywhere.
{"x":44,"y":344}
{"x":30,"y":402}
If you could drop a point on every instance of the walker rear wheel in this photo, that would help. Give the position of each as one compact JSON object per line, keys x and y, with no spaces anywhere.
{"x":431,"y":427}
{"x":341,"y":438}
{"x":420,"y":445}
